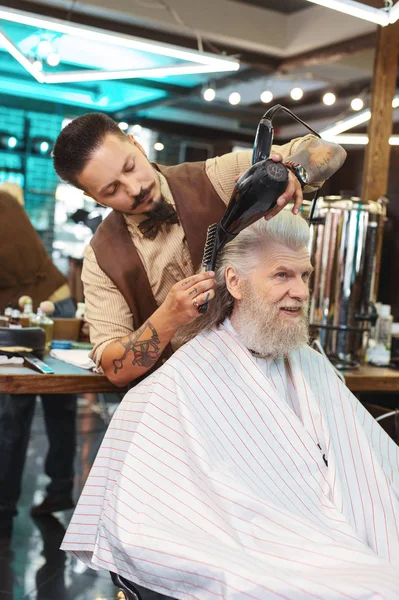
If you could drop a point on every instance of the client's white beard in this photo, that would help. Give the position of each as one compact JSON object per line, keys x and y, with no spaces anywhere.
{"x":263,"y":329}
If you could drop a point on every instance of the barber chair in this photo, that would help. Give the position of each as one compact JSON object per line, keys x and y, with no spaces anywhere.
{"x":126,"y":587}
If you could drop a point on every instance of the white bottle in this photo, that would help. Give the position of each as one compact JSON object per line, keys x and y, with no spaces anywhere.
{"x":84,"y":335}
{"x":80,"y":311}
{"x":380,"y":353}
{"x":15,"y":319}
{"x":384,"y":327}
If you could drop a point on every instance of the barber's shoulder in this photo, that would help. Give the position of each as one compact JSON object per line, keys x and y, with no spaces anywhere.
{"x":231,"y":163}
{"x":88,"y":253}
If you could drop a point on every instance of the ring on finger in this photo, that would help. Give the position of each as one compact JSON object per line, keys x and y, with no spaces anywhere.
{"x":195,"y":303}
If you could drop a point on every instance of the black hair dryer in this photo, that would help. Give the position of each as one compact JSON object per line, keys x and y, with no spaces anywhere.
{"x":255,"y":193}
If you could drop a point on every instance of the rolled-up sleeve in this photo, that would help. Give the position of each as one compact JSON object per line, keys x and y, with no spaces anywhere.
{"x":107,"y":313}
{"x":287,"y":150}
{"x":222,"y":171}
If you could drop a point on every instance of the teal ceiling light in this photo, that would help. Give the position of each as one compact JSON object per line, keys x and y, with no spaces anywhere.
{"x":109,"y":96}
{"x":12,"y":141}
{"x":42,"y":146}
{"x":21,"y":58}
{"x":166,"y":60}
{"x":8,"y":141}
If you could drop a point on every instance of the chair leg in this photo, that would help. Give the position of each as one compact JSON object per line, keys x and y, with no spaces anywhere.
{"x":126,"y":587}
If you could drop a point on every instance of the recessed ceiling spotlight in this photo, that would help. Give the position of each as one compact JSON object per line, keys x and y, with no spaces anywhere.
{"x":158,"y":146}
{"x":266,"y":96}
{"x":235,"y":98}
{"x":12,"y":141}
{"x":44,"y":147}
{"x":296,"y":93}
{"x":123,"y":125}
{"x":53,"y":59}
{"x":209,"y":94}
{"x":38,"y":65}
{"x":329,"y":98}
{"x":136,"y":128}
{"x":357,"y":104}
{"x":44,"y":47}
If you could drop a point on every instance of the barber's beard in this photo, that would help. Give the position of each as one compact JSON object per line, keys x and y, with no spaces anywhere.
{"x":264,"y":330}
{"x":159,"y":210}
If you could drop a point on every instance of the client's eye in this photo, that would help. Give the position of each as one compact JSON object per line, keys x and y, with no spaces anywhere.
{"x":281,"y":275}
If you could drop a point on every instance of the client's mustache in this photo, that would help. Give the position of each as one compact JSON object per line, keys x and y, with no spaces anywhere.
{"x":287,"y":305}
{"x":143,"y":193}
{"x":302,"y":306}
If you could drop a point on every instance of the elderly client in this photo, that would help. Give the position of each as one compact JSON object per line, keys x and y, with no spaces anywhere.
{"x":244,"y":468}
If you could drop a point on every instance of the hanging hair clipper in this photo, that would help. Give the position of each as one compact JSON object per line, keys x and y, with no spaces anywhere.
{"x":255,"y":193}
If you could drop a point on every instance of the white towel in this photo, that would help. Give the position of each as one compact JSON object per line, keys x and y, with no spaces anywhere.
{"x":78,"y":358}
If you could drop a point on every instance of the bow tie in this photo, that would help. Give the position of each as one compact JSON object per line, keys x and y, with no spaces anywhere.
{"x":164,"y":214}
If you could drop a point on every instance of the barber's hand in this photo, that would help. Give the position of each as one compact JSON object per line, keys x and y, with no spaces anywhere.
{"x":182,"y":302}
{"x":293,"y":191}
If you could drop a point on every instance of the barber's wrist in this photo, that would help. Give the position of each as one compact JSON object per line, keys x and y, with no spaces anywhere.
{"x":166,"y":320}
{"x":299,"y":172}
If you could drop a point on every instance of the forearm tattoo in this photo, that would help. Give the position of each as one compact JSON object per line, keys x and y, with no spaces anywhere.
{"x":145,"y":345}
{"x":321,"y":159}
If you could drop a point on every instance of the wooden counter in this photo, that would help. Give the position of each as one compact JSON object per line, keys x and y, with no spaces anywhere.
{"x":16,"y":379}
{"x":67,"y":379}
{"x":372,"y":379}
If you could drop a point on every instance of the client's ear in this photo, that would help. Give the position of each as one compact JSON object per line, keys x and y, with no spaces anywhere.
{"x":233,"y":282}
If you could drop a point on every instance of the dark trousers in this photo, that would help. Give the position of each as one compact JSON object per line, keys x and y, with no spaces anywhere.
{"x":16,"y":414}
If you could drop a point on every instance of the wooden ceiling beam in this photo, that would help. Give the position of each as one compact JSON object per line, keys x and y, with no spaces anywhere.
{"x":328,"y":54}
{"x":377,"y":155}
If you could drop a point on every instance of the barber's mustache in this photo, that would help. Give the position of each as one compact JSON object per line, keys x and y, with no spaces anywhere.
{"x":140,"y":197}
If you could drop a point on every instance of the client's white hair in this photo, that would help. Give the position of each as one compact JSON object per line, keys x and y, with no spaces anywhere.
{"x":243,"y":254}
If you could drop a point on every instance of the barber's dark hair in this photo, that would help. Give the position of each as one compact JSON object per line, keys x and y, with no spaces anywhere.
{"x":77,"y":143}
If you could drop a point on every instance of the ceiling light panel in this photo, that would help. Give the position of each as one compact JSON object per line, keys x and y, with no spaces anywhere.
{"x":356,"y":9}
{"x":199,"y":62}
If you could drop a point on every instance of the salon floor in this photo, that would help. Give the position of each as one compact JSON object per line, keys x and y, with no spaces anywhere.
{"x":34,"y":568}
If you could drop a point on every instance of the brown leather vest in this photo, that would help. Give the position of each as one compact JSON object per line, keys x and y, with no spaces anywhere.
{"x":25,"y":266}
{"x":198,"y":206}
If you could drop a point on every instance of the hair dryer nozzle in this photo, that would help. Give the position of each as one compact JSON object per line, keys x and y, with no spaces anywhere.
{"x":263,"y":141}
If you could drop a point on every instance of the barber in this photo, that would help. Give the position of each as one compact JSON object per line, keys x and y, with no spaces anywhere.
{"x":139,"y":269}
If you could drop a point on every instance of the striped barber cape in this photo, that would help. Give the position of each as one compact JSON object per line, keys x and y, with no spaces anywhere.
{"x":209,"y":485}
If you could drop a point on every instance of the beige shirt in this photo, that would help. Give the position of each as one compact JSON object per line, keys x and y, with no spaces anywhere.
{"x":167,"y":259}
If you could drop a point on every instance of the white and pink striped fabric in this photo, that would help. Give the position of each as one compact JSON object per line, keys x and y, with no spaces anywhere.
{"x":211,"y":485}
